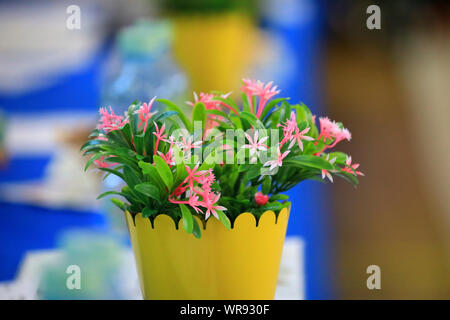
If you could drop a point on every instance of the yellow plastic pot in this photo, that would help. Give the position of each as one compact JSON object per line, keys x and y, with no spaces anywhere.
{"x":214,"y":49}
{"x":241,"y":263}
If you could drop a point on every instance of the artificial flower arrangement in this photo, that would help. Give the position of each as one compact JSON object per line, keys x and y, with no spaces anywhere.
{"x":223,"y":163}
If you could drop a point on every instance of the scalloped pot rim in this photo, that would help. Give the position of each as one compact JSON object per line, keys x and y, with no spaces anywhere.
{"x":268,"y":216}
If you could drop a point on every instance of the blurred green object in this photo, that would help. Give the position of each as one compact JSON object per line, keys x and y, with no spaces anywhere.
{"x":92,"y":257}
{"x":142,"y":67}
{"x":206,"y":6}
{"x":145,"y":38}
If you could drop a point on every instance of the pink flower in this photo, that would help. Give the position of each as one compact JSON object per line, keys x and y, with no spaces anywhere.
{"x":186,"y":145}
{"x":104,"y":164}
{"x":178,"y":191}
{"x":327,"y":128}
{"x":267,"y":92}
{"x":288,"y":128}
{"x":250,"y":86}
{"x":193,"y":175}
{"x":210,"y":204}
{"x":342,"y":134}
{"x":299,"y":136}
{"x":278,"y":162}
{"x":208,"y":100}
{"x":168,"y":157}
{"x":160,"y":132}
{"x":110,"y":121}
{"x":254,"y":145}
{"x":198,"y":185}
{"x":144,"y":113}
{"x":326,"y":173}
{"x":330,"y":130}
{"x":206,"y":179}
{"x":292,"y":132}
{"x":195,"y":203}
{"x":248,"y":89}
{"x":211,"y":104}
{"x":351,"y":168}
{"x":257,"y":88}
{"x":159,"y":135}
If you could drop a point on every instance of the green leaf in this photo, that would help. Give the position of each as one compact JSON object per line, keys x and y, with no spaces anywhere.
{"x":130,"y":177}
{"x":275,"y":206}
{"x":92,"y":159}
{"x":104,"y":194}
{"x":147,"y":212}
{"x":245,"y":103}
{"x":274,"y":118}
{"x":114,"y":172}
{"x":348,"y":177}
{"x":252,"y":120}
{"x":244,"y":167}
{"x":279,"y":197}
{"x":236,"y":121}
{"x":139,"y":143}
{"x":229,"y":102}
{"x":133,"y":117}
{"x":340,"y":157}
{"x":147,"y":168}
{"x":123,"y":160}
{"x":224,"y":219}
{"x":218,"y":113}
{"x":150,"y":170}
{"x":117,"y":138}
{"x":196,"y":231}
{"x":285,"y":111}
{"x":188,"y":224}
{"x":266,"y":185}
{"x":309,"y":161}
{"x":93,"y":150}
{"x":271,"y":105}
{"x":209,"y":162}
{"x":253,"y":172}
{"x":181,"y":173}
{"x":95,"y":133}
{"x":149,"y":190}
{"x":132,"y":196}
{"x":172,"y":106}
{"x":164,"y":115}
{"x":92,"y":143}
{"x":199,"y":114}
{"x":120,"y":204}
{"x":164,"y":171}
{"x":126,"y":131}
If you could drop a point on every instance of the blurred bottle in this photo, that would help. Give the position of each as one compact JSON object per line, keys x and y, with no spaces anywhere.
{"x":142,"y":67}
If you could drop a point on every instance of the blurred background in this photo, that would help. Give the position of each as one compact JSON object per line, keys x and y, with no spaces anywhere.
{"x":390,"y":87}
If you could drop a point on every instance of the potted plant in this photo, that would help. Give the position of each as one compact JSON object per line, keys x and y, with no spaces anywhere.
{"x":204,"y":197}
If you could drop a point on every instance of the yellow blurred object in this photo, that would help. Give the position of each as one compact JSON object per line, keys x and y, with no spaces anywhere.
{"x":241,"y":263}
{"x":214,"y":49}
